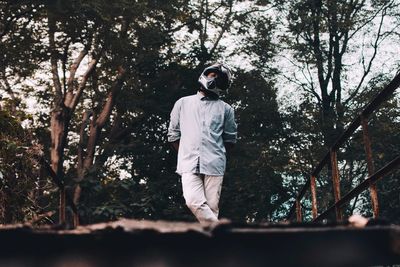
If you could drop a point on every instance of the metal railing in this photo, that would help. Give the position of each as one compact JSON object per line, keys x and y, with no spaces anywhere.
{"x":331,"y":158}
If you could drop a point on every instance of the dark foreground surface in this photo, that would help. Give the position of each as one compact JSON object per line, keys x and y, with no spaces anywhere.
{"x":171,"y":244}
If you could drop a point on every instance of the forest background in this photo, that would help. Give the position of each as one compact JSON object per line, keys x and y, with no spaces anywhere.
{"x":89,"y":85}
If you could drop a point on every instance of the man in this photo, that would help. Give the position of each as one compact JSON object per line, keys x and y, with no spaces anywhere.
{"x":201,"y":129}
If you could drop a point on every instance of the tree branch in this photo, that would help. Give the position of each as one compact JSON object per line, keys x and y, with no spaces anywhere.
{"x":316,"y":45}
{"x":54,"y":57}
{"x":74,"y":102}
{"x":366,"y":22}
{"x":105,"y":113}
{"x":74,"y":67}
{"x":368,"y":68}
{"x":81,"y":145}
{"x":224,"y":28}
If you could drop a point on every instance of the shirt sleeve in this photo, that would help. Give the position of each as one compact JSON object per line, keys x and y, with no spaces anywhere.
{"x":174,"y":131}
{"x":230,"y":128}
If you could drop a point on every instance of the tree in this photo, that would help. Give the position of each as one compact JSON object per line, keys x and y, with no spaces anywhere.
{"x":118,"y":40}
{"x":313,"y":63}
{"x":119,"y":37}
{"x":324,"y":35}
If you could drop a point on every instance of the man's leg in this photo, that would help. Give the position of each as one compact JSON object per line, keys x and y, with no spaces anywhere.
{"x":193,"y":192}
{"x":212,"y":189}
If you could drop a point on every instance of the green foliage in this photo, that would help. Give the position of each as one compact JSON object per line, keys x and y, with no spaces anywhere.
{"x":253,"y":180}
{"x":19,"y":172}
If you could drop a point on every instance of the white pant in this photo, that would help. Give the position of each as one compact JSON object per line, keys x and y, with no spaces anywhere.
{"x":201,"y":193}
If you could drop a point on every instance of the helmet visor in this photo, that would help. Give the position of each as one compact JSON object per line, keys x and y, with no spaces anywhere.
{"x":223,"y":77}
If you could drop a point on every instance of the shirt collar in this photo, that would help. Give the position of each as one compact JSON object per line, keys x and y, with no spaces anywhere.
{"x":202,"y":97}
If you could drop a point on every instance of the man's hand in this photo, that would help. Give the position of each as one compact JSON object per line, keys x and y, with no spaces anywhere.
{"x":175,"y":145}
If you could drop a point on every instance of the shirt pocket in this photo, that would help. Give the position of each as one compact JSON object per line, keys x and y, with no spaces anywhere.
{"x":216,"y":122}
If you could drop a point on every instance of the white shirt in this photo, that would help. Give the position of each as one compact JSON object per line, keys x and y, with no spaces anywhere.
{"x":203,"y":125}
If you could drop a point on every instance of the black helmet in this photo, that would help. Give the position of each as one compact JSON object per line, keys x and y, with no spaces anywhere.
{"x":215,"y":84}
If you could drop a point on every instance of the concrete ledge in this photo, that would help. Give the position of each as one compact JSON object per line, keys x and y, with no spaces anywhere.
{"x":175,"y":244}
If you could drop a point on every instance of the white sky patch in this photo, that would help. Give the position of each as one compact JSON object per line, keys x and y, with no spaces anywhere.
{"x":113,"y":164}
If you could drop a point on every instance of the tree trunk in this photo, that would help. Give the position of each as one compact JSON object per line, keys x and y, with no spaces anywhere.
{"x":97,"y":123}
{"x":65,"y":102}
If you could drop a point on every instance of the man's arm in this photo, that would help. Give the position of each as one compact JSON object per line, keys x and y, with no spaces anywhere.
{"x":174,"y":131}
{"x":230,"y":130}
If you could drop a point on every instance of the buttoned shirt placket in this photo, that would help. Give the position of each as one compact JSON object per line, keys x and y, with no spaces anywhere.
{"x":203,"y":103}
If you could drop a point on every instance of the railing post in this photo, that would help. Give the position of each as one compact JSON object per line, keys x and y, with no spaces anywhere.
{"x":62,"y":206}
{"x":336,"y":183}
{"x":313,"y":188}
{"x":299,"y":217}
{"x":76,"y":220}
{"x":370,"y":165}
